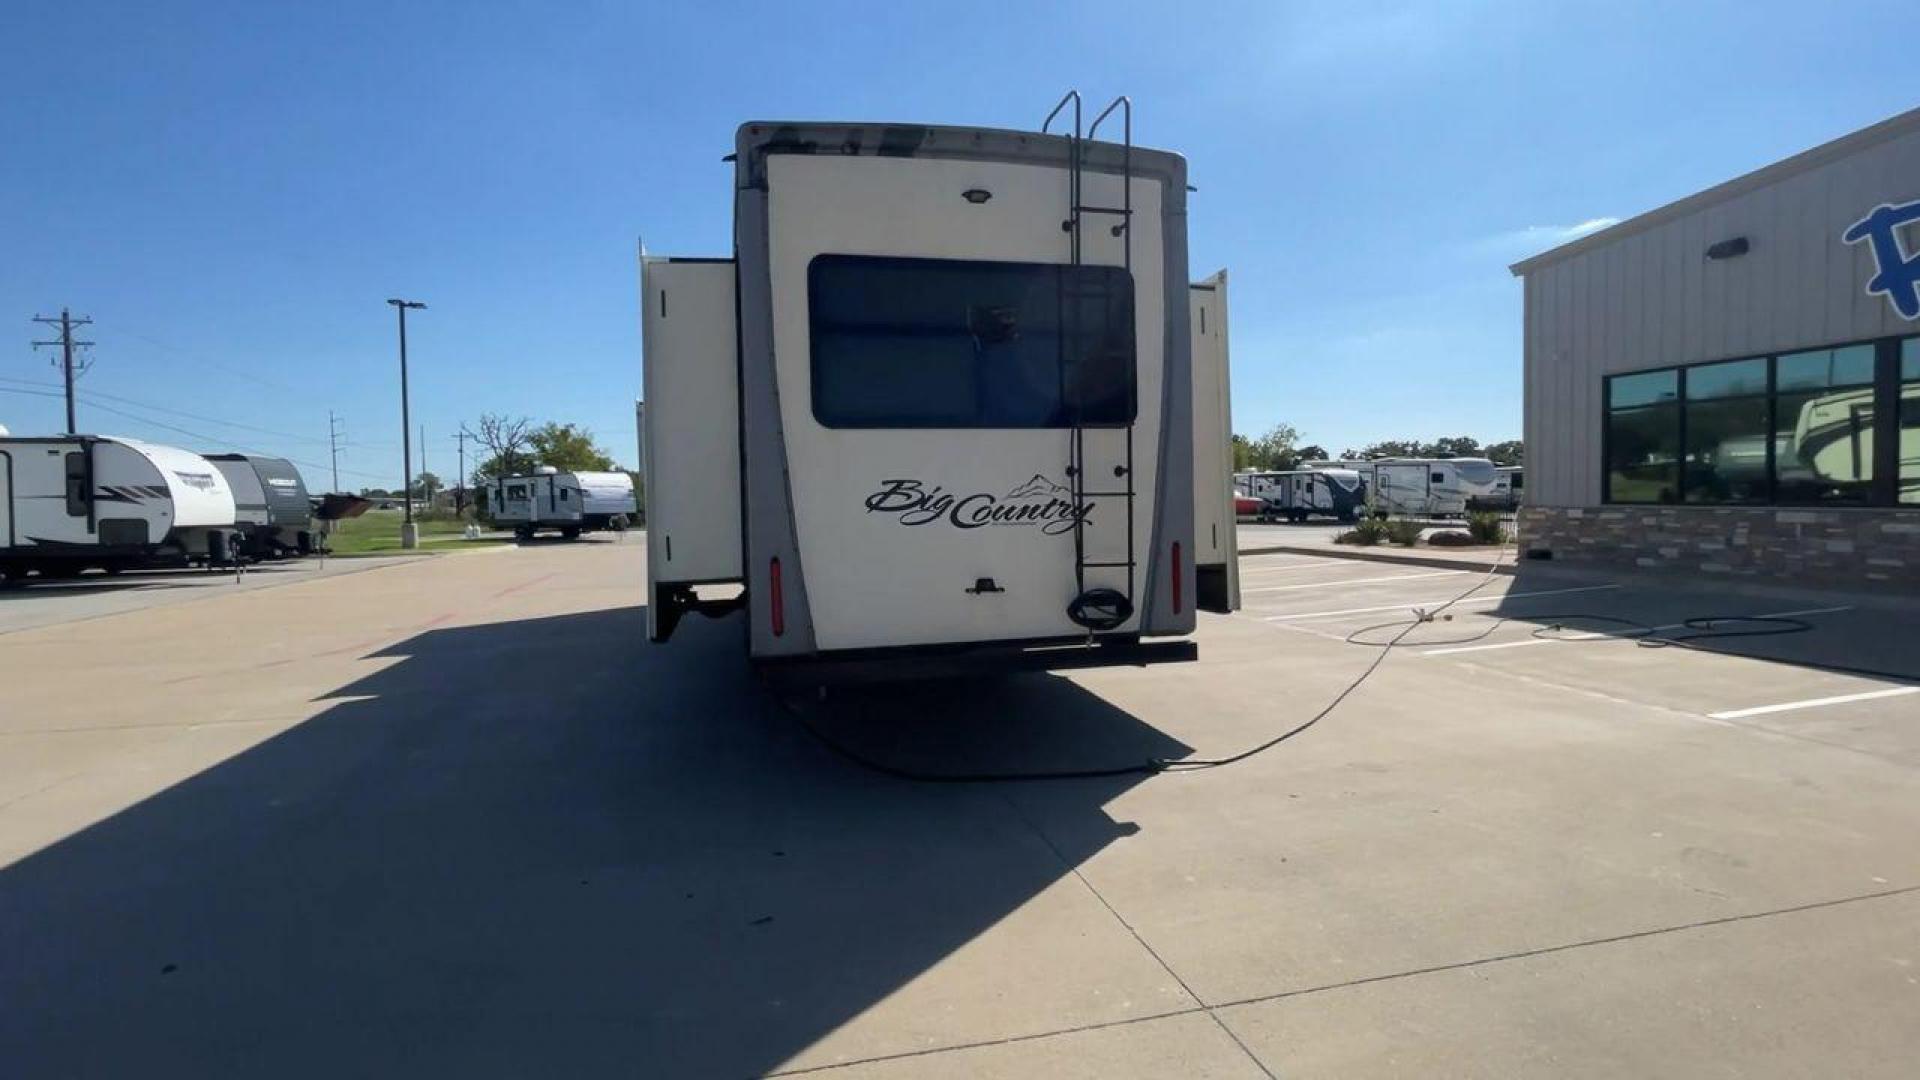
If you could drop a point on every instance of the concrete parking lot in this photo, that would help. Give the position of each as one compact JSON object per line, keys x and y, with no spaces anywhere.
{"x":454,"y":816}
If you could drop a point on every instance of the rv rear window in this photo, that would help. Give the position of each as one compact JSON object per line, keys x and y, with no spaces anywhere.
{"x":938,"y":343}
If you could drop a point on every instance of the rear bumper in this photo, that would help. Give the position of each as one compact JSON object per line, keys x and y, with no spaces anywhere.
{"x":974,"y":659}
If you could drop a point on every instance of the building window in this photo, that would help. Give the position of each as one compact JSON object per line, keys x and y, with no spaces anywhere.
{"x":1823,"y":426}
{"x":1643,"y":438}
{"x":1726,"y":432}
{"x":1799,"y":429}
{"x":1910,"y":421}
{"x":947,"y":343}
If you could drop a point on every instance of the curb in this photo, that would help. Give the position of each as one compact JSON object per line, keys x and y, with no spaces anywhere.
{"x":1505,"y":566}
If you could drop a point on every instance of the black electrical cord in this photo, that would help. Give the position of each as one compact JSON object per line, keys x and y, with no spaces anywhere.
{"x":1150,"y":767}
{"x":1646,"y":634}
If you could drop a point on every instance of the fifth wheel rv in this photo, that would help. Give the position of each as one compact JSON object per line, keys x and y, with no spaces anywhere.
{"x":1426,"y":487}
{"x":952,"y":374}
{"x":76,"y":502}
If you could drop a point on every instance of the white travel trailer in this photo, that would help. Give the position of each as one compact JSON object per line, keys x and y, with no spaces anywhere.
{"x":271,"y":508}
{"x":952,"y":373}
{"x":1426,"y":487}
{"x":1298,"y":494}
{"x":70,"y":503}
{"x":568,"y":502}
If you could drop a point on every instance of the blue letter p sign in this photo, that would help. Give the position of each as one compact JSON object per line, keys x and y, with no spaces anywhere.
{"x":1898,"y":273}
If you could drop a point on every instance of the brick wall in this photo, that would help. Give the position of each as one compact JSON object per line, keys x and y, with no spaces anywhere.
{"x":1858,"y":548}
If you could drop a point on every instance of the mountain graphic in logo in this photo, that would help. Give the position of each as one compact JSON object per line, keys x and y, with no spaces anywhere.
{"x":1039,"y":488}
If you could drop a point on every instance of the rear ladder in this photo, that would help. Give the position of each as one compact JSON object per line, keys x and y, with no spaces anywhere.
{"x":1103,"y":607}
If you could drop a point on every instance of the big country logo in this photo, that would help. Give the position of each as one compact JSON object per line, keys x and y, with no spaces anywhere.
{"x":1899,"y":272}
{"x":1038,"y":501}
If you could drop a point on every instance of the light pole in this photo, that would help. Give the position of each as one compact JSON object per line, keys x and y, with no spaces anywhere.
{"x":409,"y":532}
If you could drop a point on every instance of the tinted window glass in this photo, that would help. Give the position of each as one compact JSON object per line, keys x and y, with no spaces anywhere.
{"x":934,"y":343}
{"x":1643,"y":452}
{"x":1624,"y":391}
{"x":1910,"y":420}
{"x":1823,"y":426}
{"x":1727,"y":380}
{"x":1851,"y":366}
{"x":1726,"y":448}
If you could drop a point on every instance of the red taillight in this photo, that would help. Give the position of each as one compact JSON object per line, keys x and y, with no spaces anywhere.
{"x":777,"y":603}
{"x":1176,"y":577}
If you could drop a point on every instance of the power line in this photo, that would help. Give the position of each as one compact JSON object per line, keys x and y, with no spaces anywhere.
{"x":209,"y":439}
{"x":89,"y":397}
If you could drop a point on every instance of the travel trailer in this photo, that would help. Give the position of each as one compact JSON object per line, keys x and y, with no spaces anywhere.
{"x":270,"y":503}
{"x":70,"y":503}
{"x":959,"y":378}
{"x":1425,"y":487}
{"x":1297,"y":494}
{"x":569,"y":503}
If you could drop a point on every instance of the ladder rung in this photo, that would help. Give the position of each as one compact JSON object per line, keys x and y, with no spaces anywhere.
{"x":1106,"y":565}
{"x":1122,"y":211}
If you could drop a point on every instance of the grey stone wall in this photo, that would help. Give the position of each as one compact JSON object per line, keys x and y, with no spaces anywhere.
{"x":1855,"y":547}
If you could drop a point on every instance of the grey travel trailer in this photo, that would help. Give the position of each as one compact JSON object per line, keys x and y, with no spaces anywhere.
{"x":951,"y":375}
{"x":570,"y":503}
{"x":271,"y":507}
{"x":70,"y":503}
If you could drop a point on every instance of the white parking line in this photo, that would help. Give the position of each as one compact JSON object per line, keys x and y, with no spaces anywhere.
{"x":1597,"y":635}
{"x":1283,"y":568}
{"x":1814,"y":703}
{"x":1411,"y":604}
{"x":1355,"y":581}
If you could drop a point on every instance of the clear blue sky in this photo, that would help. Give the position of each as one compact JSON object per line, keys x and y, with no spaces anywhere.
{"x":233,"y":190}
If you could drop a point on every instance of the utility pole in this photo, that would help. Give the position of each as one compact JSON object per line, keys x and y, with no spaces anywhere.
{"x":333,"y":446}
{"x":460,"y":481}
{"x":66,"y":323}
{"x":409,"y":532}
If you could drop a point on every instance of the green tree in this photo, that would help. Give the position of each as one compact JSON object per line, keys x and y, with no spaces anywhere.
{"x":1510,"y":452}
{"x":1393,"y":448}
{"x":426,"y":485}
{"x":568,"y":447}
{"x":1312,"y":452}
{"x":1270,"y":452}
{"x":1455,"y":446}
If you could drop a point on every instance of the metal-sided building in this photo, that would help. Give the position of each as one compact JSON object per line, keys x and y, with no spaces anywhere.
{"x":1730,"y":384}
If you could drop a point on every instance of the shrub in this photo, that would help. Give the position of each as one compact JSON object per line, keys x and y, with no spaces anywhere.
{"x":1451,"y":538}
{"x":1403,"y":531}
{"x":1486,"y":527}
{"x":1366,"y":532}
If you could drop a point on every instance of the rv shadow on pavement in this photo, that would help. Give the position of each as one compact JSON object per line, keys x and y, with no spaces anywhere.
{"x":543,"y":847}
{"x":144,"y":580}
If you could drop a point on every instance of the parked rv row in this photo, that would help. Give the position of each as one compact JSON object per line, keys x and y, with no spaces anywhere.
{"x":1383,"y":487}
{"x":72,"y":503}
